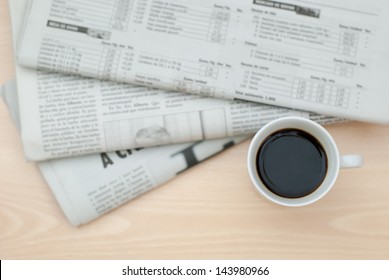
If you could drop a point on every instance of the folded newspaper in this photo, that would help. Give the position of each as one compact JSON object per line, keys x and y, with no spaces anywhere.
{"x":325,"y":56}
{"x":89,"y":186}
{"x":58,"y":108}
{"x":64,"y":116}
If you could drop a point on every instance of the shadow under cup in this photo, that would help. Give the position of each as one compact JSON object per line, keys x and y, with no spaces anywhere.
{"x":293,"y":161}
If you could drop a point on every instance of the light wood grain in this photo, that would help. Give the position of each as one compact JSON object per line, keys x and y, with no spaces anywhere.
{"x":209,"y":212}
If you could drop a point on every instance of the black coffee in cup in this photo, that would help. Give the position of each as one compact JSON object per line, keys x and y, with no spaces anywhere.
{"x":291,"y":163}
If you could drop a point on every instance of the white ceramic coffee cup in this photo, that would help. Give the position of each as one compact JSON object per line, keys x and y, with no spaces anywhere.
{"x":334,"y":160}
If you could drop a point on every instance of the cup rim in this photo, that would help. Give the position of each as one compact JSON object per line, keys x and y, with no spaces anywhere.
{"x":329,"y":143}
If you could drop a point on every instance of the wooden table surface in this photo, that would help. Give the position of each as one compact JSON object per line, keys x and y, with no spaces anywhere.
{"x":209,"y":212}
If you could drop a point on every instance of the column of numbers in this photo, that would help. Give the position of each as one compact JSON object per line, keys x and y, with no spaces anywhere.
{"x":139,"y":11}
{"x":209,"y":71}
{"x":121,"y":14}
{"x":319,"y":92}
{"x":348,"y":43}
{"x":218,"y":26}
{"x":127,"y":60}
{"x":109,"y":64}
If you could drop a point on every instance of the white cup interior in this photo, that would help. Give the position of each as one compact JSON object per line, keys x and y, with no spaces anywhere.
{"x":315,"y":130}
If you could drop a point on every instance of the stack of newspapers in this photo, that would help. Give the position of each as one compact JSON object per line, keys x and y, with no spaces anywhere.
{"x":116,"y":97}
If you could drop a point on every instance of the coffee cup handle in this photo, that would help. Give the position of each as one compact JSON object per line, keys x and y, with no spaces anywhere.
{"x":351,"y":161}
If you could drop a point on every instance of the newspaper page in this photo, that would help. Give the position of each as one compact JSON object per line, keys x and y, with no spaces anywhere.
{"x":64,"y":116}
{"x":325,"y":56}
{"x":89,"y":186}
